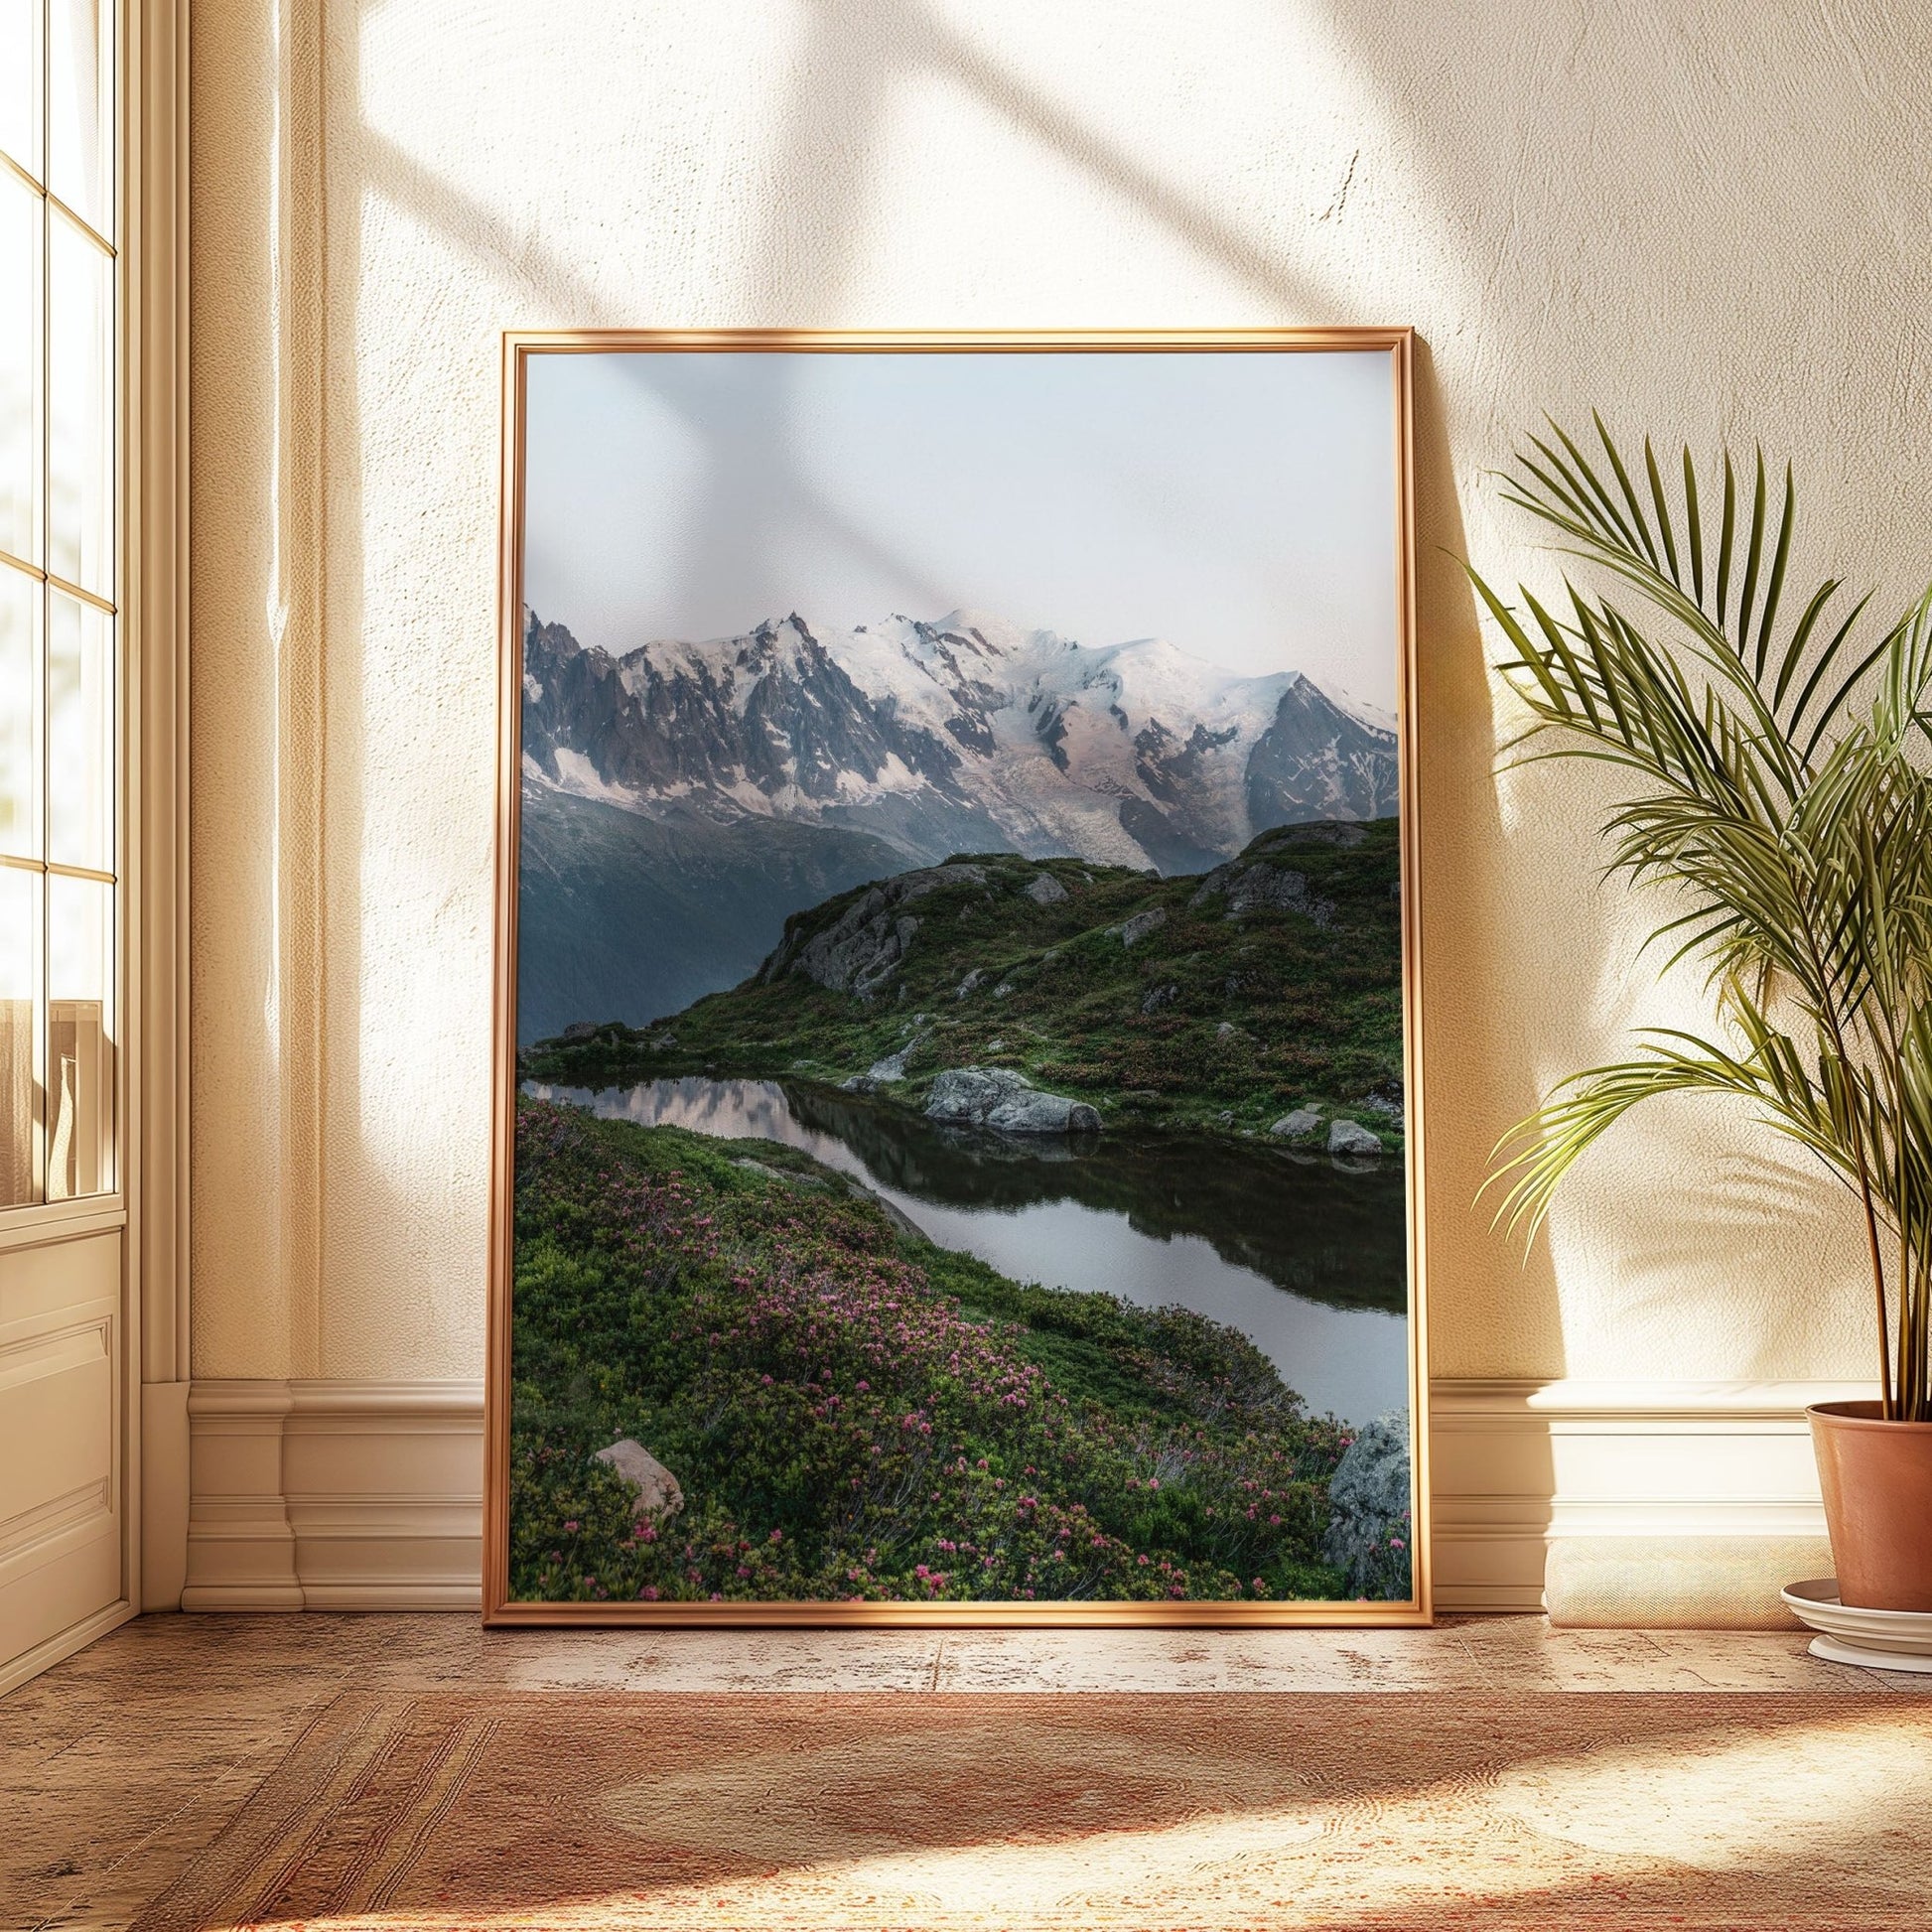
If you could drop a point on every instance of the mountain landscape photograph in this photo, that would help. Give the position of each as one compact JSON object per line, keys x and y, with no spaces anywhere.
{"x":961,"y":1134}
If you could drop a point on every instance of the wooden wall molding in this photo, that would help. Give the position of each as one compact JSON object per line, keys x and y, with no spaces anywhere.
{"x":334,"y":1495}
{"x":1668,"y":1503}
{"x":1662,"y":1502}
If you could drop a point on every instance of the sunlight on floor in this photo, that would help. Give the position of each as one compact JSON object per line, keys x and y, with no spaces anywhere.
{"x":1841,"y":1798}
{"x":1837,"y":1802}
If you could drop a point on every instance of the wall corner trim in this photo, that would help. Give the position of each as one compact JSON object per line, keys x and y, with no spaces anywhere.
{"x":334,"y":1495}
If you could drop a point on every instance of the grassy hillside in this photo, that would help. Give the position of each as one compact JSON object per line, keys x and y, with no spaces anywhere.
{"x":851,"y":1414}
{"x":1263,"y":986}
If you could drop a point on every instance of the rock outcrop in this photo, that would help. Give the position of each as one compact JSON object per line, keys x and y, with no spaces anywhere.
{"x":1298,"y":1125}
{"x":1008,"y":1102}
{"x":1260,"y":888}
{"x":657,"y":1490}
{"x":1344,"y":1137}
{"x":1370,"y":1510}
{"x":1046,"y":890}
{"x":863,"y":947}
{"x":1260,"y":880}
{"x":892,"y":1066}
{"x":889,"y":1069}
{"x":1142,"y":923}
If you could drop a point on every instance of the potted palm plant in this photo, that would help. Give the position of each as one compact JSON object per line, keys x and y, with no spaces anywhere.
{"x":1774,"y":752}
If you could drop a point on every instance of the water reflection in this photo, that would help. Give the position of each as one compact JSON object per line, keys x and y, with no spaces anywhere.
{"x":1310,"y":1262}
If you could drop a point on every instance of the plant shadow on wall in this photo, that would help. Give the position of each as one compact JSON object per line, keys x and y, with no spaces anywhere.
{"x":1773,"y":757}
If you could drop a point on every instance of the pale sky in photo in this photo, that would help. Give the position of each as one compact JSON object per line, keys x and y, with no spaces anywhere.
{"x":1241,"y":505}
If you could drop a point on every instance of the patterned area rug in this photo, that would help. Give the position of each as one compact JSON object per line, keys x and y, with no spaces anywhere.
{"x":575,"y":1810}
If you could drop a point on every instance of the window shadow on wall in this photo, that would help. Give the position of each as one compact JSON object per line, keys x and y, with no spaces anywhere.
{"x":798,"y":267}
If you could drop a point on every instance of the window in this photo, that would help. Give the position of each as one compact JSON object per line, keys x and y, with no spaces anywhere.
{"x":60,"y":632}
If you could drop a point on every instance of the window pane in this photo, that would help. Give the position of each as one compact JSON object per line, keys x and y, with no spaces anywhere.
{"x":21,"y":230}
{"x":20,"y":83}
{"x":20,"y":950}
{"x":79,"y":1037}
{"x":80,"y":113}
{"x":79,"y":734}
{"x":20,"y":706}
{"x":80,"y":401}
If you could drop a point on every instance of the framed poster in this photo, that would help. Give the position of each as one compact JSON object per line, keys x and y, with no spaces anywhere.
{"x":958,"y":1138}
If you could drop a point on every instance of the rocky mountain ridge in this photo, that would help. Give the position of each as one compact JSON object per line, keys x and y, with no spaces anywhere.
{"x":964,"y":733}
{"x":1264,"y":997}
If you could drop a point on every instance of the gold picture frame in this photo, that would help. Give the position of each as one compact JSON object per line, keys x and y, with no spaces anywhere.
{"x":501,"y":1608}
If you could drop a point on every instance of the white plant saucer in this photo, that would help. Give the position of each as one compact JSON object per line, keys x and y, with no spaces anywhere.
{"x":1872,"y":1639}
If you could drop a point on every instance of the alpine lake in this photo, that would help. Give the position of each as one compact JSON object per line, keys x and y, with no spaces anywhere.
{"x":1304,"y":1255}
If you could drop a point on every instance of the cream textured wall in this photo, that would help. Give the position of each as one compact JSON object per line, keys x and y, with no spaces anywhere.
{"x":1709,"y":220}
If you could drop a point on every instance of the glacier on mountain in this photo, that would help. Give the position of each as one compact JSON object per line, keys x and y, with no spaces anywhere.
{"x":965,"y":733}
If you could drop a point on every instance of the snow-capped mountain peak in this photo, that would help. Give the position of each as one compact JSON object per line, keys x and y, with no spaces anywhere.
{"x":966,"y":730}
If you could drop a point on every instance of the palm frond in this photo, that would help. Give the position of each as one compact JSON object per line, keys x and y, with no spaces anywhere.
{"x":1607,"y":521}
{"x":1777,"y":790}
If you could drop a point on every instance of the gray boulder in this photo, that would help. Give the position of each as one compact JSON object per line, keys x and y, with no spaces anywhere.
{"x":657,"y":1490}
{"x":1380,"y":1103}
{"x":1046,"y":890}
{"x":1006,"y":1101}
{"x":892,"y":1066}
{"x":967,"y":985}
{"x":1142,"y":923}
{"x":1162,"y":996}
{"x":1371,"y":1510}
{"x":1298,"y":1125}
{"x":1344,"y":1137}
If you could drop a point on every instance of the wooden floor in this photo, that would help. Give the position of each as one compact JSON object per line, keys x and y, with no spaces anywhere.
{"x":120,"y":1764}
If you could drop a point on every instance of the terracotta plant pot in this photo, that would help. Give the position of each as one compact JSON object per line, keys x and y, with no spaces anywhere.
{"x":1876,"y":1476}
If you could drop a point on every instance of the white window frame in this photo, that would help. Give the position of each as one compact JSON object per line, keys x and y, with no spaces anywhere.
{"x":151,"y":479}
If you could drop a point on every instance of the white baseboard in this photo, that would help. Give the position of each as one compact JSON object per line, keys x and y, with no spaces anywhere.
{"x":1631,"y":1502}
{"x":58,"y":1648}
{"x":1645,"y":1502}
{"x":334,"y":1497}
